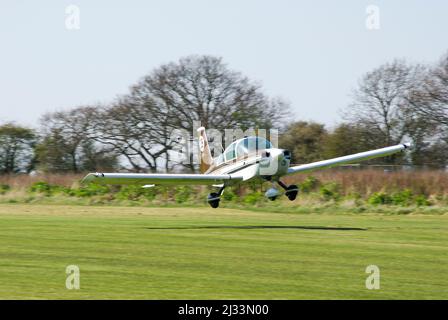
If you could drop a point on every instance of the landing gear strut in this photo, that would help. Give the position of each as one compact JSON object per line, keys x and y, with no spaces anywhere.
{"x":291,"y":191}
{"x":214,"y":197}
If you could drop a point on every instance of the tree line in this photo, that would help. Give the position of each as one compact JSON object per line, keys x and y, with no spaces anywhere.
{"x":396,"y":101}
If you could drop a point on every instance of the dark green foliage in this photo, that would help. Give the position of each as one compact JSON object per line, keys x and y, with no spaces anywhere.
{"x":229,"y":195}
{"x":4,"y":188}
{"x":346,"y":138}
{"x":182,"y":194}
{"x":309,"y":184}
{"x":91,"y":190}
{"x":135,"y":193}
{"x":16,"y":145}
{"x":327,"y":192}
{"x":379,"y":198}
{"x":421,"y":200}
{"x":304,"y":140}
{"x":253,"y":198}
{"x":254,"y":185}
{"x":41,"y":187}
{"x":330,"y":191}
{"x":402,"y":198}
{"x":48,"y":189}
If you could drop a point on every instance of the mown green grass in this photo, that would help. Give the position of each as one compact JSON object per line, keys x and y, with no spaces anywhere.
{"x":200,"y":253}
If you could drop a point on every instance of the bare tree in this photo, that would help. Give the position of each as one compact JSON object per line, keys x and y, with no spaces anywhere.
{"x":430,"y":100}
{"x":178,"y":95}
{"x":135,"y":131}
{"x":202,"y":88}
{"x":427,"y":115}
{"x":68,"y":142}
{"x":379,"y":102}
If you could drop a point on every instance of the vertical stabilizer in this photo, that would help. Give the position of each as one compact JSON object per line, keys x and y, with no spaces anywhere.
{"x":205,"y":156}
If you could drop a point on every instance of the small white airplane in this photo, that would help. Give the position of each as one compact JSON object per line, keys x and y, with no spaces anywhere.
{"x":245,"y":159}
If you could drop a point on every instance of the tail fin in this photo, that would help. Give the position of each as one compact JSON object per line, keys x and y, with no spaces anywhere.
{"x":205,"y":156}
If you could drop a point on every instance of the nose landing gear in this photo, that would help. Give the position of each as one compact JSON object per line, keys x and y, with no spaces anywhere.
{"x":291,"y":191}
{"x":272,"y":193}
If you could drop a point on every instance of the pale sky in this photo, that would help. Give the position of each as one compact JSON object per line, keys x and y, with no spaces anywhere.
{"x":311,"y":53}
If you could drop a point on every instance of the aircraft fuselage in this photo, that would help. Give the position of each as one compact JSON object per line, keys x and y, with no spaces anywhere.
{"x":267,"y":164}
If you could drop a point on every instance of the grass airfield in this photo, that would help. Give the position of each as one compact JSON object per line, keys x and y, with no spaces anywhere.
{"x":201,"y":253}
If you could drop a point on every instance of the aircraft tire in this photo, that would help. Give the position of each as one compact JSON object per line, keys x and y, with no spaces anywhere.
{"x":213,"y":200}
{"x":291,"y":192}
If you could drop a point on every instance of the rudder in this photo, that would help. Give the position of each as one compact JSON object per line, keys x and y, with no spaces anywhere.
{"x":205,"y":156}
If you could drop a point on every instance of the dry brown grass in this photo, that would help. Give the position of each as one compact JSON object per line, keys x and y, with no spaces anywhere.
{"x":363,"y":182}
{"x":367,"y":181}
{"x":23,"y":181}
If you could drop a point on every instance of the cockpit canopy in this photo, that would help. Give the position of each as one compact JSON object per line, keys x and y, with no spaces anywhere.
{"x":243,"y":147}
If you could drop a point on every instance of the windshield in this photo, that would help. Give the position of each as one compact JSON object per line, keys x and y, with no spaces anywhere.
{"x":252,"y":145}
{"x":230,"y":152}
{"x":220,"y":159}
{"x":244,"y":147}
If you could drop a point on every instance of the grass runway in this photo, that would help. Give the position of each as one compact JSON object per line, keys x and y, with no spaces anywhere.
{"x":200,"y":253}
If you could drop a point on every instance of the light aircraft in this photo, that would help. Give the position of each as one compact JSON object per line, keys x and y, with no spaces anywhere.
{"x":245,"y":159}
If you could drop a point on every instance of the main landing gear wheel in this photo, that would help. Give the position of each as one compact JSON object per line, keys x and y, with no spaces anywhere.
{"x":291,"y":191}
{"x":272,"y":198}
{"x":214,"y":197}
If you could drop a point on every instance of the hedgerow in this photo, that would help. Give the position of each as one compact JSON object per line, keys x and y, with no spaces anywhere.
{"x":313,"y":193}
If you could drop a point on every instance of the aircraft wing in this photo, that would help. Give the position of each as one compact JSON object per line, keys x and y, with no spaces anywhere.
{"x":159,"y":179}
{"x":353,"y":158}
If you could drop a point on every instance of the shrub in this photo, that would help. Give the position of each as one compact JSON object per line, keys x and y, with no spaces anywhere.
{"x":421,"y":200}
{"x":379,"y":198}
{"x":46,"y":188}
{"x":91,"y":190}
{"x":4,"y":188}
{"x":309,"y":184}
{"x":68,"y":191}
{"x":149,"y":193}
{"x":229,"y":195}
{"x":128,"y":193}
{"x":135,"y":193}
{"x":330,"y":191}
{"x":402,"y":198}
{"x":253,"y":185}
{"x":253,"y":198}
{"x":40,"y":187}
{"x":182,"y":194}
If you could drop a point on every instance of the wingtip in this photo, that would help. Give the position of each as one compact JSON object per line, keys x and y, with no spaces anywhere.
{"x":87,"y":178}
{"x":91,"y":177}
